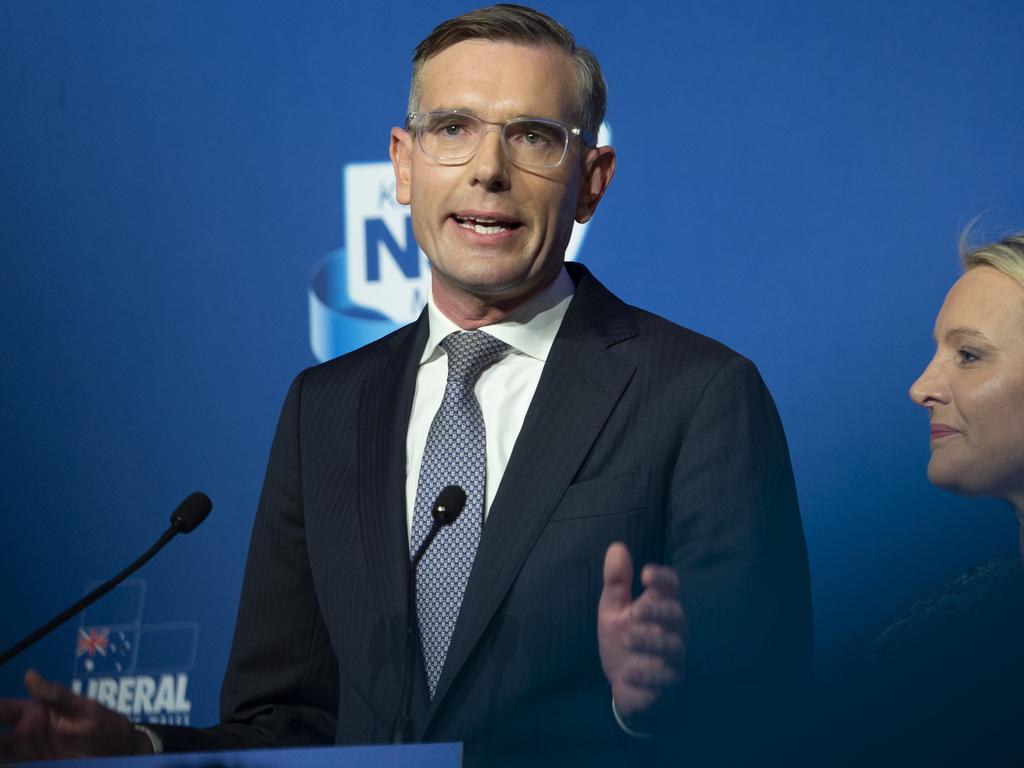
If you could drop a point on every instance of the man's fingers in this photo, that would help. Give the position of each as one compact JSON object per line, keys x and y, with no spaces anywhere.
{"x":652,"y":639}
{"x":648,"y":608}
{"x":661,"y":579}
{"x":52,"y":694}
{"x":647,"y":671}
{"x":28,"y":737}
{"x":618,"y":578}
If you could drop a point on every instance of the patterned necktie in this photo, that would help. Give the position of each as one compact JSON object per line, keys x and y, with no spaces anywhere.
{"x":455,"y":454}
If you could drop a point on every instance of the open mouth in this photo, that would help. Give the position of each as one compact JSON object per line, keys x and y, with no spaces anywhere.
{"x":485,"y":226}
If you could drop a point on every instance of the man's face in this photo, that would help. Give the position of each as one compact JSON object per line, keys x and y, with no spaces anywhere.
{"x":496,"y":233}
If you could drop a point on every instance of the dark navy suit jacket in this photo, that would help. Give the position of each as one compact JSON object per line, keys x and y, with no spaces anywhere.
{"x":640,"y":431}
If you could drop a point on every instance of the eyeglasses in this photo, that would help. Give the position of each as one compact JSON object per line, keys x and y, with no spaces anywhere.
{"x":451,"y":137}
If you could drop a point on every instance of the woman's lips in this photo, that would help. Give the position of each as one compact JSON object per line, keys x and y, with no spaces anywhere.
{"x":941,"y":430}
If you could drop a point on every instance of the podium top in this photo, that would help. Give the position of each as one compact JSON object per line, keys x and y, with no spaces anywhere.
{"x":446,"y":755}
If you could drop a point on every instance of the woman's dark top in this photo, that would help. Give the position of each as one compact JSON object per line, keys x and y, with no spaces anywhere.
{"x":945,"y":685}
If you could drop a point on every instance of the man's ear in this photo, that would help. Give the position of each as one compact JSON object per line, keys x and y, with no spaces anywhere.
{"x":401,"y":161}
{"x":598,"y":169}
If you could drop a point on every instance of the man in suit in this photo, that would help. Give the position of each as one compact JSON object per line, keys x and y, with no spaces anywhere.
{"x":604,"y":435}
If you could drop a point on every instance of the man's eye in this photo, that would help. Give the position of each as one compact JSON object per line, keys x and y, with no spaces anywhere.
{"x":966,"y":356}
{"x":450,"y":129}
{"x":532,"y":135}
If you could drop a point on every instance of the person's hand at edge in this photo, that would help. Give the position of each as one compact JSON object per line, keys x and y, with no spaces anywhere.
{"x":58,"y":724}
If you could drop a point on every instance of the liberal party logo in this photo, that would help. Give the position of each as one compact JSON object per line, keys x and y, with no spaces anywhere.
{"x":140,"y":670}
{"x":380,"y":281}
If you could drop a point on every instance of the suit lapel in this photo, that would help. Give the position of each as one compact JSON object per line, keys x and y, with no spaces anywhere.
{"x":580,"y":385}
{"x":383,"y":421}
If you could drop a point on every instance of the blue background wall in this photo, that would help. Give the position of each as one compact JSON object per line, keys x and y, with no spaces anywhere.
{"x":792,"y":178}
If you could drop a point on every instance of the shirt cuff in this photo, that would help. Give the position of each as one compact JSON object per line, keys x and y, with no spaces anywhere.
{"x":626,"y":729}
{"x":158,"y":745}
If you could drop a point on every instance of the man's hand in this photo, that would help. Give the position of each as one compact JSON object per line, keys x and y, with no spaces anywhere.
{"x":56,"y":723}
{"x":642,"y":641}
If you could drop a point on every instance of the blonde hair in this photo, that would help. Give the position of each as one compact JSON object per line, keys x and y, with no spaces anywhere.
{"x":506,"y":23}
{"x":1006,"y":255}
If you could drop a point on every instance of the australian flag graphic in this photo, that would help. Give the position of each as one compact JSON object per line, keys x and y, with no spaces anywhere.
{"x":108,"y":634}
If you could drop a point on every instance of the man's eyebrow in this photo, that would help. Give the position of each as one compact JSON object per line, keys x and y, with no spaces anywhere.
{"x":474,"y":113}
{"x":460,"y":110}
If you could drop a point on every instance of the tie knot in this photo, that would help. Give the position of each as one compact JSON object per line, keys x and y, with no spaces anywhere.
{"x":469,"y":352}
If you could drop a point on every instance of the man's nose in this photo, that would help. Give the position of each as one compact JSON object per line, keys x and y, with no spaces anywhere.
{"x":490,"y":163}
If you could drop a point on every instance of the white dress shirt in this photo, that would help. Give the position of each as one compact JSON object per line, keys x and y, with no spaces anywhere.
{"x":504,"y":389}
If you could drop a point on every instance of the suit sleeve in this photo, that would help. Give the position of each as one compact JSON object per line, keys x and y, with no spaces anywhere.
{"x":280,"y":688}
{"x":735,"y":536}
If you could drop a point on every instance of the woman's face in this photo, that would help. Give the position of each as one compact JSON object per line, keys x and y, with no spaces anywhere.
{"x":974,"y":388}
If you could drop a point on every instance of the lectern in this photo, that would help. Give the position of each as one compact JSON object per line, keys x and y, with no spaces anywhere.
{"x":447,"y":755}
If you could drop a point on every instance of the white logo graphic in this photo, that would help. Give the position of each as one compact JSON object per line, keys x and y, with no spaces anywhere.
{"x":140,"y":670}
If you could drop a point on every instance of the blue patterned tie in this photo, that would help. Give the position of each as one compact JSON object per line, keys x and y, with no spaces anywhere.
{"x":455,"y":454}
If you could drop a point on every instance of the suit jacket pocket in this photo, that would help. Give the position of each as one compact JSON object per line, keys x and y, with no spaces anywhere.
{"x":602,"y":496}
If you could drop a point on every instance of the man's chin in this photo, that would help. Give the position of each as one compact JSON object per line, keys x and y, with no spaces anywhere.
{"x":492,"y":284}
{"x":504,"y":293}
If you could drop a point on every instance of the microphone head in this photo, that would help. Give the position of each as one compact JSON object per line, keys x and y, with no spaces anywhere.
{"x":191,"y":512}
{"x":448,"y":505}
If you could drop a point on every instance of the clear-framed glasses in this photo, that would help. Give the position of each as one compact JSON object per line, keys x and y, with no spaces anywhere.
{"x":452,"y":137}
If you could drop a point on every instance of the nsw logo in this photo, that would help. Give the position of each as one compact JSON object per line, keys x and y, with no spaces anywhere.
{"x":140,"y":670}
{"x":380,"y":281}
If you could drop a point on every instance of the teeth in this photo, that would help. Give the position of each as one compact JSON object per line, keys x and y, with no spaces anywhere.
{"x":481,"y":226}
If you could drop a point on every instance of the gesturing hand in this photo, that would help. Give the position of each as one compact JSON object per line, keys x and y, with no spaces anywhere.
{"x":642,"y":641}
{"x":56,"y":723}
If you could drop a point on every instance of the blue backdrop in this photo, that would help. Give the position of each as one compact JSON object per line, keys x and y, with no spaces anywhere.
{"x":177,"y":182}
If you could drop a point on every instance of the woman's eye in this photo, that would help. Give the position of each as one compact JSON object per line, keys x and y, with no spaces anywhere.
{"x":966,"y":356}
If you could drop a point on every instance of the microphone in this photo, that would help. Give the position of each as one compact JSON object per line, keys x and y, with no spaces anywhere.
{"x":191,"y":512}
{"x":188,"y":515}
{"x":447,"y":507}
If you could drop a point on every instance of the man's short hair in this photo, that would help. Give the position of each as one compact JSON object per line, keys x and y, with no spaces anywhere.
{"x":507,"y":23}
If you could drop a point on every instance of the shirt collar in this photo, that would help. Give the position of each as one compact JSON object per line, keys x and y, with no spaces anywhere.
{"x":531,"y":329}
